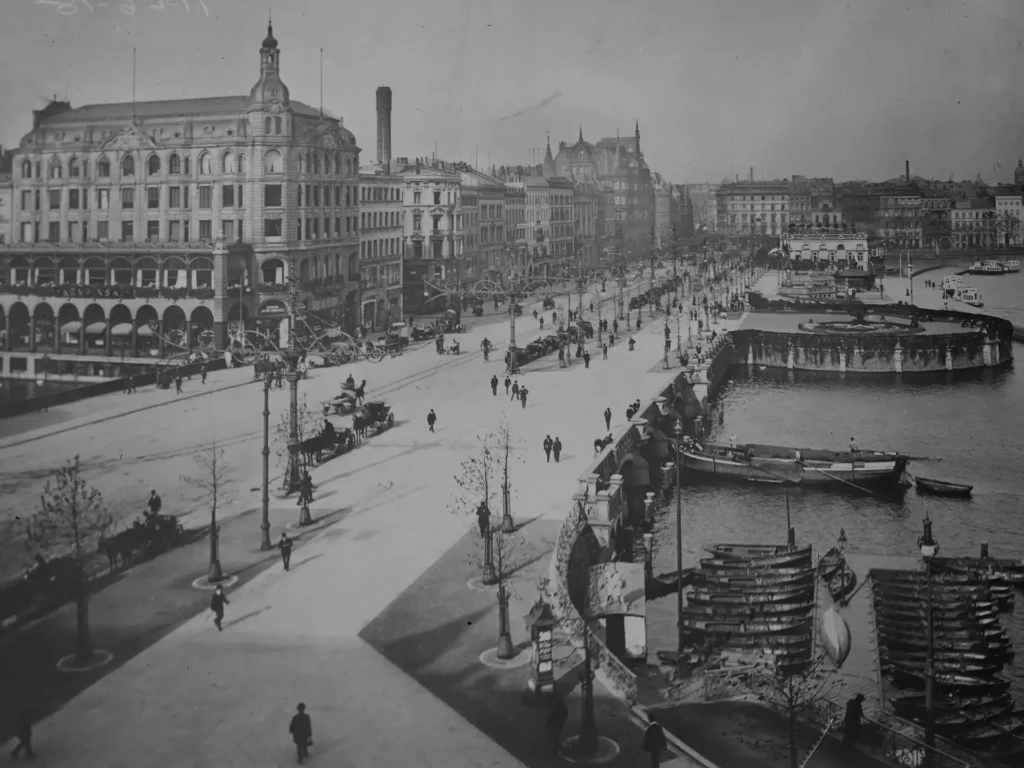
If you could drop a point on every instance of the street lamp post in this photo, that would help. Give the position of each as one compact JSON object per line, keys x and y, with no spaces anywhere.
{"x":292,"y":476}
{"x":929,"y":549}
{"x":679,"y":540}
{"x":265,"y":524}
{"x":587,"y":744}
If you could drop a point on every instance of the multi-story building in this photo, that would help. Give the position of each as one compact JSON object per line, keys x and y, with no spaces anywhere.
{"x":842,"y":249}
{"x":753,"y":207}
{"x":434,"y":232}
{"x":483,"y":203}
{"x":517,"y":229}
{"x":6,"y":207}
{"x":703,"y":206}
{"x":538,"y":215}
{"x":143,"y":229}
{"x":935,"y":222}
{"x":973,"y":224}
{"x":663,"y":203}
{"x":900,"y":217}
{"x":586,"y":200}
{"x":682,"y":214}
{"x":1008,"y":217}
{"x":563,"y":242}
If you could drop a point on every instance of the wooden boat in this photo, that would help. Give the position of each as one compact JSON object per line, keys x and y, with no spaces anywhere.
{"x":958,"y":633}
{"x":746,"y":609}
{"x":981,"y":569}
{"x":668,"y":583}
{"x":940,"y":593}
{"x":922,"y":656}
{"x":747,"y":550}
{"x":981,"y":609}
{"x":780,"y":464}
{"x":829,"y":563}
{"x":748,"y":627}
{"x":941,"y":624}
{"x":919,"y":578}
{"x":942,"y":488}
{"x":977,"y":668}
{"x":1006,"y":564}
{"x":965,"y":683}
{"x":994,"y":729}
{"x":842,"y":583}
{"x":795,"y":642}
{"x":714,"y":594}
{"x":835,"y":633}
{"x":798,"y":557}
{"x":753,"y":568}
{"x":759,"y":580}
{"x":897,"y":641}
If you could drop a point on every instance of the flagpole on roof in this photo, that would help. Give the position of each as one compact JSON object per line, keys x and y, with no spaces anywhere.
{"x":133,"y":86}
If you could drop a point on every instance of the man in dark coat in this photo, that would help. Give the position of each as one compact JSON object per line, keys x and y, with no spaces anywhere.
{"x":431,"y":419}
{"x":217,"y":603}
{"x":555,"y":722}
{"x":586,"y":359}
{"x":202,"y":372}
{"x":301,"y":729}
{"x":638,"y":320}
{"x":522,"y":395}
{"x":854,"y":713}
{"x":557,"y":448}
{"x":654,"y":740}
{"x":515,"y":392}
{"x":547,"y":447}
{"x":154,"y":503}
{"x":23,"y":733}
{"x":494,"y":385}
{"x":508,"y":383}
{"x":285,"y":545}
{"x":177,"y":384}
{"x":483,"y":519}
{"x":607,"y":418}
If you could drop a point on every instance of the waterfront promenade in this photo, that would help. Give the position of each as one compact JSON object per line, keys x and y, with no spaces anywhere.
{"x":201,"y":697}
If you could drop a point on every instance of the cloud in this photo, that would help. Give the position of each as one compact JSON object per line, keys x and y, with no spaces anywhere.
{"x":535,"y":108}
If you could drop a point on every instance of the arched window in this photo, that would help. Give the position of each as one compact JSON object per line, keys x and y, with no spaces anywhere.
{"x":188,"y":165}
{"x":316,"y":162}
{"x":73,"y":169}
{"x":55,"y":169}
{"x":337,"y":165}
{"x":26,"y":169}
{"x":229,"y":163}
{"x":205,"y":164}
{"x":103,"y":168}
{"x":272,"y":162}
{"x":277,"y":125}
{"x":175,"y":163}
{"x":266,"y":125}
{"x":128,"y":166}
{"x":240,"y":163}
{"x":153,"y":165}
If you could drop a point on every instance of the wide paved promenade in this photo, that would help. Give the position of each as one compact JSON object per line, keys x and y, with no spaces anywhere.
{"x":200,"y":697}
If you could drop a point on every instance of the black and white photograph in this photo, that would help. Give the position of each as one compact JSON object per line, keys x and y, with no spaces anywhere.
{"x":521,"y":384}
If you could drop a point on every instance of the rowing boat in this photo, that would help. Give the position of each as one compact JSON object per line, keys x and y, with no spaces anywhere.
{"x":890,"y":604}
{"x":842,"y":583}
{"x":836,"y":634}
{"x":748,"y":627}
{"x":714,"y":594}
{"x":981,"y":669}
{"x":994,"y":729}
{"x":976,"y":685}
{"x":744,"y":580}
{"x":921,"y":578}
{"x":755,"y":568}
{"x":829,"y":563}
{"x":985,"y":570}
{"x":922,"y":656}
{"x":942,"y":623}
{"x":746,"y":609}
{"x":747,"y":550}
{"x":942,"y":487}
{"x":946,"y":632}
{"x":897,"y":641}
{"x":798,"y":557}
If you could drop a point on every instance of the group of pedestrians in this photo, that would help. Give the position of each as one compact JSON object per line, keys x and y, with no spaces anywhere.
{"x":553,"y":447}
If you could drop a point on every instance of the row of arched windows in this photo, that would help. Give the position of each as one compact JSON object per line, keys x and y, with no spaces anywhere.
{"x":273,"y":162}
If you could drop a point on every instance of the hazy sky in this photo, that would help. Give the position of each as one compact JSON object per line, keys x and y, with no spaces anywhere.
{"x":813,"y":87}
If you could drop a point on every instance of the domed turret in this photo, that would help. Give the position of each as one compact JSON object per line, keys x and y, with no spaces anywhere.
{"x":270,"y":41}
{"x":269,"y":88}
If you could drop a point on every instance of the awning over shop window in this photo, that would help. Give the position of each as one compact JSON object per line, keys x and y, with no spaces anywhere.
{"x":145,"y":330}
{"x":96,"y":327}
{"x":73,"y":327}
{"x":122,"y":329}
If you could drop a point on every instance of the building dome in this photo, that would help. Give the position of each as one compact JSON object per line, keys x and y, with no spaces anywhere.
{"x":270,"y":41}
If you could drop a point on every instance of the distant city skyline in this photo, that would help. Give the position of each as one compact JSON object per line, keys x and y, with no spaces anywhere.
{"x":788,"y":87}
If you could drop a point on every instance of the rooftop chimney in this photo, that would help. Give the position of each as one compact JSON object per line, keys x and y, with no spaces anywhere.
{"x":751,"y":173}
{"x":384,"y":125}
{"x":908,"y":171}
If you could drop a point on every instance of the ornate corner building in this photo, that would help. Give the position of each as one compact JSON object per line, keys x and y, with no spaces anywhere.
{"x":141,"y":230}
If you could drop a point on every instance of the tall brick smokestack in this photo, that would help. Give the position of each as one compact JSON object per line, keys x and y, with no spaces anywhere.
{"x":384,"y":125}
{"x":908,"y":171}
{"x":751,"y":173}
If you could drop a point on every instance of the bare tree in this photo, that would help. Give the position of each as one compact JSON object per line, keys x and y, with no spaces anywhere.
{"x":308,"y":423}
{"x":70,"y":521}
{"x":213,"y":478}
{"x":504,"y":551}
{"x":800,"y":694}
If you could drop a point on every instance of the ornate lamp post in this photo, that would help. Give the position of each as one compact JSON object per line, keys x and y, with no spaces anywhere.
{"x":265,"y":524}
{"x":679,"y":540}
{"x":587,"y":744}
{"x":929,"y":549}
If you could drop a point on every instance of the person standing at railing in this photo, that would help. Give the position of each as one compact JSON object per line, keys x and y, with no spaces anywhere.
{"x":854,"y":714}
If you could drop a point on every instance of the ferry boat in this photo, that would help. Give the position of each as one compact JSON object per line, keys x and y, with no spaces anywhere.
{"x":1011,"y":265}
{"x":794,"y":466}
{"x":969,"y":295}
{"x":988,"y":267}
{"x":950,"y":283}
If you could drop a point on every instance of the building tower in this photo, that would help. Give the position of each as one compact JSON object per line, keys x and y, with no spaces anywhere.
{"x":384,"y":125}
{"x":269,"y":88}
{"x":548,"y":169}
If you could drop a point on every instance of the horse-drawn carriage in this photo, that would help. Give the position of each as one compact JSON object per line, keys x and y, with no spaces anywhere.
{"x":150,"y":535}
{"x":375,"y":415}
{"x":342,"y":405}
{"x":330,"y":442}
{"x":265,"y":367}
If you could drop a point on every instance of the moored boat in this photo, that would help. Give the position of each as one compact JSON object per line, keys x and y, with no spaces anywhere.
{"x":713,"y":594}
{"x":980,"y":569}
{"x":842,"y":583}
{"x":885,"y":610}
{"x":920,"y":578}
{"x":963,"y":683}
{"x":744,"y":580}
{"x":747,"y":550}
{"x":994,"y":729}
{"x":979,"y":669}
{"x":836,"y":635}
{"x":922,"y":656}
{"x":746,"y":627}
{"x":987,"y":267}
{"x":914,"y":641}
{"x":942,"y":487}
{"x":1011,"y":265}
{"x":902,"y":629}
{"x":912,"y":604}
{"x":914,"y":706}
{"x":829,"y":563}
{"x":746,"y":609}
{"x":782,"y":567}
{"x":795,"y":557}
{"x":939,"y":622}
{"x":795,"y":466}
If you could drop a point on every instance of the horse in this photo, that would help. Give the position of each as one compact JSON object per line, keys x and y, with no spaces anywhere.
{"x":360,"y":392}
{"x":361,"y":423}
{"x":121,"y":546}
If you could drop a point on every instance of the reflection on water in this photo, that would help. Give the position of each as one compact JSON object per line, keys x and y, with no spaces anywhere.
{"x":16,"y":390}
{"x":967,"y":426}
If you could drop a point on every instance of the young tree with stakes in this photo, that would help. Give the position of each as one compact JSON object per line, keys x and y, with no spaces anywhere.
{"x":503,"y":550}
{"x":308,"y":423}
{"x":70,"y":521}
{"x":213,"y":479}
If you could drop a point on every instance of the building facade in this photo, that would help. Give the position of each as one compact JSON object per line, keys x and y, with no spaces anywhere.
{"x":142,"y":230}
{"x":753,"y":207}
{"x":6,"y":207}
{"x":485,"y":218}
{"x":381,"y":245}
{"x":839,"y":249}
{"x":586,"y":201}
{"x":973,"y":224}
{"x":564,"y":245}
{"x":1008,"y":218}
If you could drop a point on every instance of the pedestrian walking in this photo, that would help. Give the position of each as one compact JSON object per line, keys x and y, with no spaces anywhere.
{"x":561,"y":357}
{"x":591,"y":306}
{"x":615,"y":326}
{"x":522,"y":396}
{"x":607,"y":418}
{"x":557,"y":449}
{"x":515,"y":391}
{"x":586,"y":359}
{"x":305,"y":490}
{"x":131,"y":384}
{"x":508,"y":383}
{"x":604,"y":351}
{"x":494,"y":385}
{"x":654,"y":740}
{"x":851,"y":725}
{"x":301,"y":729}
{"x":611,"y":339}
{"x":217,"y":603}
{"x":638,"y":321}
{"x":548,"y":444}
{"x":632,"y":343}
{"x":202,"y":372}
{"x":177,"y":384}
{"x":154,"y":503}
{"x":535,"y":314}
{"x":541,"y":321}
{"x":285,"y":545}
{"x":23,"y":733}
{"x":431,"y":419}
{"x":483,"y":519}
{"x":554,"y":317}
{"x":557,"y":716}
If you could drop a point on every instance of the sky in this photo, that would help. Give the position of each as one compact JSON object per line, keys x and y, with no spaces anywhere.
{"x":811,"y":87}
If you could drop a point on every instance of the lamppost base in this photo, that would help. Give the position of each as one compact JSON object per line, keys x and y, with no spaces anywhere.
{"x":489,"y":577}
{"x":265,"y":543}
{"x":505,"y":649}
{"x":214,"y":572}
{"x":604,"y":750}
{"x":304,"y":517}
